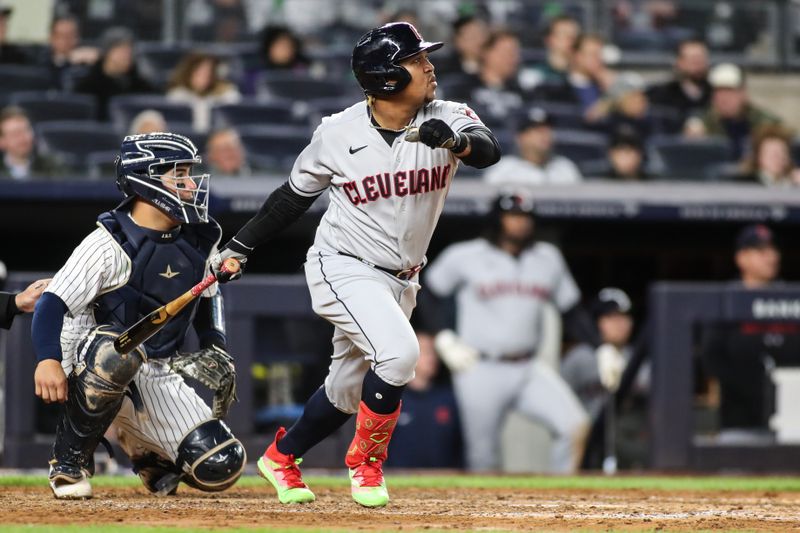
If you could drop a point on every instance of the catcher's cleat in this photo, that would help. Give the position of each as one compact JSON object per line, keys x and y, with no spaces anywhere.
{"x":283,"y":472}
{"x":69,"y":482}
{"x":367,"y":484}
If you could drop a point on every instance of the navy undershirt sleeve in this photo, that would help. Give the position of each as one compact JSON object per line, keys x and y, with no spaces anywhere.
{"x":48,"y":319}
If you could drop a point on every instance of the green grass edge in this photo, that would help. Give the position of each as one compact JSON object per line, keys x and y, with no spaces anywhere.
{"x":511,"y":482}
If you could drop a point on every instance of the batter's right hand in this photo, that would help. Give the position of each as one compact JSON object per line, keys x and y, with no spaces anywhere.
{"x":219,"y":258}
{"x":51,"y":381}
{"x":456,"y":354}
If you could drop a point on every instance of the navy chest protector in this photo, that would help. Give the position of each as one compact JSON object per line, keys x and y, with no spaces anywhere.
{"x":164,"y":265}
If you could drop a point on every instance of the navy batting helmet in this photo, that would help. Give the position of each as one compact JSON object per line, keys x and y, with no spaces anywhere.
{"x":147,"y":168}
{"x":378,"y":53}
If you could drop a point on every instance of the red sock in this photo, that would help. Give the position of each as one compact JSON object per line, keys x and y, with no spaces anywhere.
{"x":373,"y":433}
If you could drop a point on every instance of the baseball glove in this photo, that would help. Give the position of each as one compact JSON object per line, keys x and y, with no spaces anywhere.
{"x":212,"y":367}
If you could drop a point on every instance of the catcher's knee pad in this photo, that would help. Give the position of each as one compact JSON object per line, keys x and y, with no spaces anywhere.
{"x":95,"y":392}
{"x":211,"y":457}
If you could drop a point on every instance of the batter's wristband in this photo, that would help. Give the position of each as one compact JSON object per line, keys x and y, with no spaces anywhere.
{"x":462,"y":142}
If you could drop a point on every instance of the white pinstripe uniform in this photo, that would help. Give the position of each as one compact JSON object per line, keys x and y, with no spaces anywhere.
{"x":385,"y":202}
{"x":170,"y":408}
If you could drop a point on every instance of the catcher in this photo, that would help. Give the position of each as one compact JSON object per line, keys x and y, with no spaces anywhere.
{"x":153,"y":247}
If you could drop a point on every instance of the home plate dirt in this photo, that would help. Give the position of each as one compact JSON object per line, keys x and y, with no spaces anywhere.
{"x":420,"y":509}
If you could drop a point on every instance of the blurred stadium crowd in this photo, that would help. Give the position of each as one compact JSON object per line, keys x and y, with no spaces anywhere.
{"x":248,"y":81}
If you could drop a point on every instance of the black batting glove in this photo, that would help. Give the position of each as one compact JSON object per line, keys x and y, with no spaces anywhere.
{"x":215,"y":265}
{"x":437,"y":134}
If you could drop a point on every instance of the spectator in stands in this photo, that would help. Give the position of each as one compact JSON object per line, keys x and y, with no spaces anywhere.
{"x":196,"y":81}
{"x":689,"y":91}
{"x":9,"y":53}
{"x":148,"y":121}
{"x":626,"y":156}
{"x":536,"y":164}
{"x":628,"y":107}
{"x":225,"y":154}
{"x":496,"y":86}
{"x":770,"y":160}
{"x":738,"y":355}
{"x":13,"y":304}
{"x":280,"y":49}
{"x":20,"y":160}
{"x":115,"y":72}
{"x":588,"y":78}
{"x":63,"y":57}
{"x":559,"y":39}
{"x":429,"y":409}
{"x":470,"y":34}
{"x":731,"y":114}
{"x":584,"y":371}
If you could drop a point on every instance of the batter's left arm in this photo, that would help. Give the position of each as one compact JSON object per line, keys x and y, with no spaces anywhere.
{"x":475,"y":145}
{"x":482,"y":148}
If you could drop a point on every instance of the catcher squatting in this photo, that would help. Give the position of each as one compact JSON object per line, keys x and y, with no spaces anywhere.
{"x":149,"y":250}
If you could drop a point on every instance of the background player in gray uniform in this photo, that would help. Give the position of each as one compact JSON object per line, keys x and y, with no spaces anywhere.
{"x":149,"y":250}
{"x":386,"y":193}
{"x":501,"y":284}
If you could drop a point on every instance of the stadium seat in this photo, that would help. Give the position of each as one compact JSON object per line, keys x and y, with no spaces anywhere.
{"x":101,"y":165}
{"x":71,"y":141}
{"x":18,"y":78}
{"x":322,"y":107}
{"x":254,"y":113}
{"x":274,"y":147}
{"x":125,"y":107}
{"x":565,"y":116}
{"x":156,"y":61}
{"x":300,"y":87}
{"x":580,"y":146}
{"x":53,"y":105}
{"x":689,"y":159}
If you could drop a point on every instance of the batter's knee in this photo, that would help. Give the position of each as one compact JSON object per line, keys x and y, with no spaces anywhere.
{"x":211,"y":457}
{"x":396,"y":364}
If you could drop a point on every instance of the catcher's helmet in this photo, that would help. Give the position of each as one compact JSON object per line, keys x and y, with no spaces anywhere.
{"x":377,"y":55}
{"x":141,"y":167}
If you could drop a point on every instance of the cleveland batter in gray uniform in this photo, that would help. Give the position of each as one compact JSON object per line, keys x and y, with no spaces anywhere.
{"x":501,"y":284}
{"x":387,"y":164}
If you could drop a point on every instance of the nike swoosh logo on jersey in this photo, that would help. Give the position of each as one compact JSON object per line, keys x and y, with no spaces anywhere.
{"x":354,"y":150}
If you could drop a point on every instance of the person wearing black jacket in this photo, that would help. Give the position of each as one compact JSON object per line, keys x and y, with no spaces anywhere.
{"x":13,"y":304}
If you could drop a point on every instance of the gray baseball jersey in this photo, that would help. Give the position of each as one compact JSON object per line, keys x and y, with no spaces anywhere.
{"x":500,"y":297}
{"x":384,"y":204}
{"x":384,"y":200}
{"x":500,"y":301}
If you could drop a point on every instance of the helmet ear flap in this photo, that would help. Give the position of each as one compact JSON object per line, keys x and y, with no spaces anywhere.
{"x":122,"y":180}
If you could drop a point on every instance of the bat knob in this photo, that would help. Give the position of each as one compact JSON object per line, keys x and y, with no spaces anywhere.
{"x":412,"y":135}
{"x":230,"y":266}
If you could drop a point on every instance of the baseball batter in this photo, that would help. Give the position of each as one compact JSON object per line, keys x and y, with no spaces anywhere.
{"x":146,"y":252}
{"x":501,"y":284}
{"x":387,"y":163}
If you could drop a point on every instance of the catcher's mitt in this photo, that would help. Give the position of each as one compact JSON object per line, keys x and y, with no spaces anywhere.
{"x":212,"y":367}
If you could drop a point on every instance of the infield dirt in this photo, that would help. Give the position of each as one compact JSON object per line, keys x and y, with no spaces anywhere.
{"x":419,"y":509}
